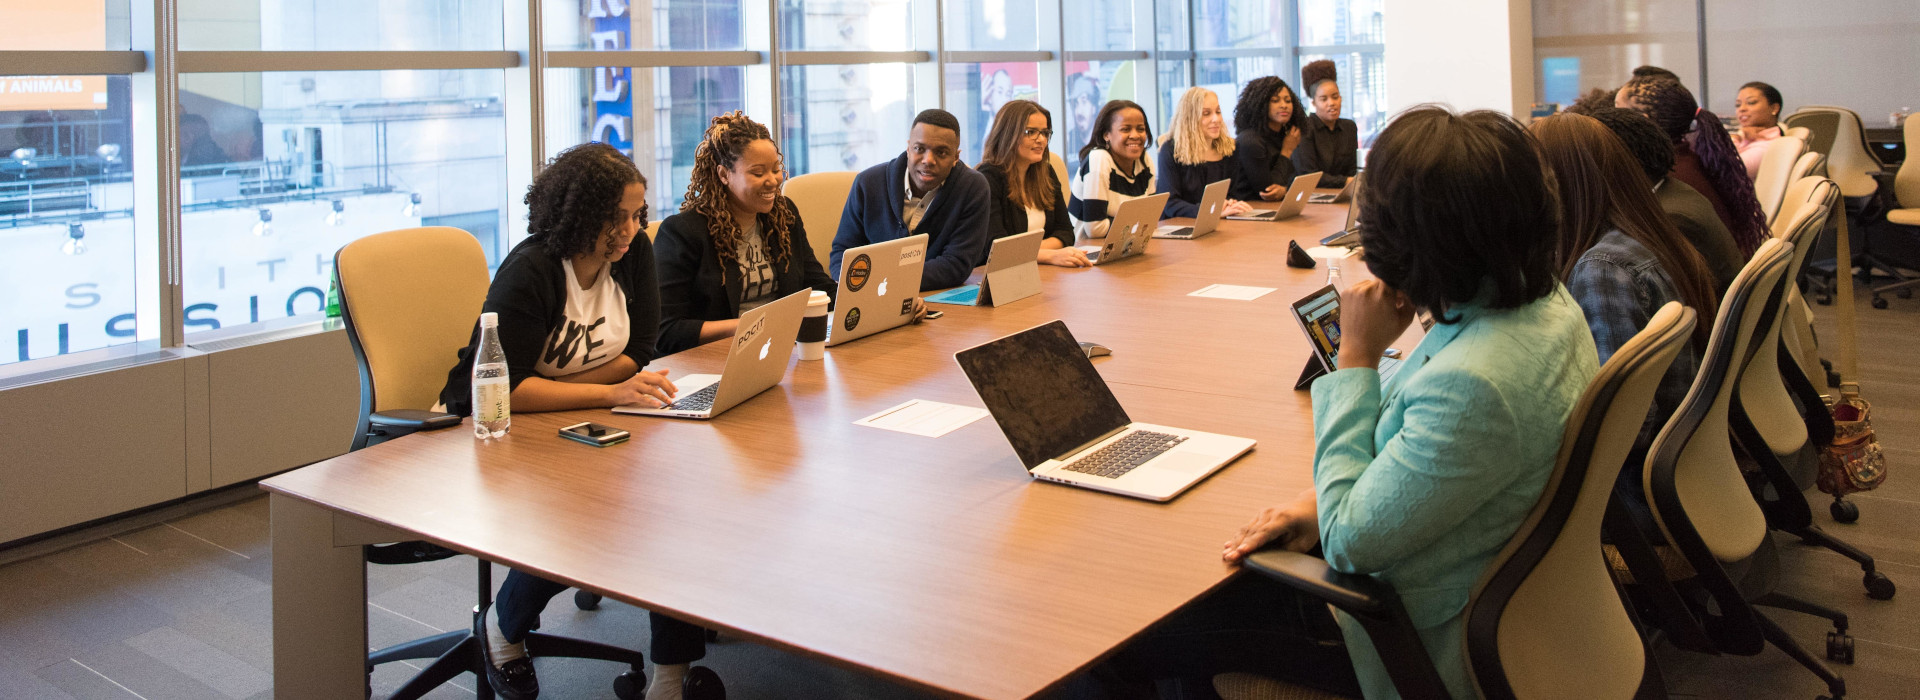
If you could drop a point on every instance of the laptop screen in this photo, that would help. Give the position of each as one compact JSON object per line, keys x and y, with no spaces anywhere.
{"x":1042,"y":390}
{"x":1319,"y":316}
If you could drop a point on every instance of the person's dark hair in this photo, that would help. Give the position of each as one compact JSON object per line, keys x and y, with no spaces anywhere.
{"x":1673,"y":109}
{"x":1597,"y":98}
{"x":1317,"y":72}
{"x":937,"y":117}
{"x":1771,"y":94}
{"x":1425,"y":223}
{"x":1103,"y":123}
{"x":1250,"y":112}
{"x":1602,"y":189}
{"x":1029,"y":185}
{"x":575,"y":200}
{"x":726,"y":139}
{"x":1655,"y":72}
{"x":1643,"y":140}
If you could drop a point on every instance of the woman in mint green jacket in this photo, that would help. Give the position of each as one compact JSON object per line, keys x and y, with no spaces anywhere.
{"x":1419,"y":480}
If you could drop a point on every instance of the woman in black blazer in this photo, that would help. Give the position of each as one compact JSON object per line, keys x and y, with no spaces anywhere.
{"x":1026,"y":194}
{"x":737,"y":242}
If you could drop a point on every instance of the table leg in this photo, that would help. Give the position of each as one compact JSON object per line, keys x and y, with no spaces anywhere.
{"x":319,"y":606}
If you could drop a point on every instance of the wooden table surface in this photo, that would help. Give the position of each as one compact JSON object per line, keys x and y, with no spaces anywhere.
{"x":935,"y":562}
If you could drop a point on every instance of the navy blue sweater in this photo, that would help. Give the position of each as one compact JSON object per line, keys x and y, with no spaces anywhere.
{"x":955,"y":221}
{"x":1186,"y":184}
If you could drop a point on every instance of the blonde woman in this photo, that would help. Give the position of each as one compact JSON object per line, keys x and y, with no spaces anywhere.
{"x":1197,"y":151}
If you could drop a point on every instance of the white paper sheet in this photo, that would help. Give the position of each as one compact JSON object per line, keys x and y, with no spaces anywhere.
{"x":1333,"y":253}
{"x":921,"y":417}
{"x":1231,"y":291}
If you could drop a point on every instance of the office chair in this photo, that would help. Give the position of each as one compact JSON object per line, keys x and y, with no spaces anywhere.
{"x":1725,"y":563}
{"x":1550,"y":578}
{"x":409,"y":299}
{"x":1802,"y":345}
{"x":1060,"y":171}
{"x":821,"y":198}
{"x":1776,"y":167}
{"x":1906,"y":195}
{"x":1799,"y":132}
{"x":1853,"y":166}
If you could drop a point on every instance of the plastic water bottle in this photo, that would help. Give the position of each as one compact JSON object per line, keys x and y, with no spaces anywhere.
{"x":1333,"y":275}
{"x":491,"y":411}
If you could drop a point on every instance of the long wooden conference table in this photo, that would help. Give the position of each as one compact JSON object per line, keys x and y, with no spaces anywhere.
{"x":934,"y":562}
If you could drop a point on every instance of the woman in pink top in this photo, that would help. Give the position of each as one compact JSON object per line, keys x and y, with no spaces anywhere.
{"x":1757,"y":108}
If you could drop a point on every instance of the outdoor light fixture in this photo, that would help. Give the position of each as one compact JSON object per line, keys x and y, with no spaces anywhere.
{"x":76,"y":240}
{"x":412,"y":208}
{"x":339,"y":215}
{"x":265,"y":227}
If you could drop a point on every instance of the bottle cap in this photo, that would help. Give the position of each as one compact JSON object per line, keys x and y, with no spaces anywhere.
{"x":489,"y":320}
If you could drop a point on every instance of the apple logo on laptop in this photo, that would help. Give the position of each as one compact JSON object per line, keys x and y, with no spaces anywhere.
{"x":1298,"y":197}
{"x":764,"y":347}
{"x":883,"y":286}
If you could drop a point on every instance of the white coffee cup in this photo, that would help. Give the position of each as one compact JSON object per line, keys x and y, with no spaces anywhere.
{"x":813,"y":330}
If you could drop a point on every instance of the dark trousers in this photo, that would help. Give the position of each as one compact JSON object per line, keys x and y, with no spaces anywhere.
{"x":1250,"y":625}
{"x":523,"y":596}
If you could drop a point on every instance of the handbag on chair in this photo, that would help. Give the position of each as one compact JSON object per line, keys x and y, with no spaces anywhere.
{"x":1853,"y":462}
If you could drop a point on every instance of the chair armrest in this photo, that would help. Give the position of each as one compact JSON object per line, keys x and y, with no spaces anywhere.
{"x":1355,"y":593}
{"x":408,"y":420}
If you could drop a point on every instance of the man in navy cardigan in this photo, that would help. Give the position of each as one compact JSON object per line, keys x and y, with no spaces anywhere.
{"x":926,"y":190}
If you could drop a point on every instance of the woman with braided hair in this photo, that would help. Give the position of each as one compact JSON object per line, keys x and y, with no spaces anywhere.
{"x":1704,"y":156}
{"x":737,"y":242}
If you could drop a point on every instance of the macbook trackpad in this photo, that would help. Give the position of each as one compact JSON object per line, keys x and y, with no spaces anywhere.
{"x":1185,"y":462}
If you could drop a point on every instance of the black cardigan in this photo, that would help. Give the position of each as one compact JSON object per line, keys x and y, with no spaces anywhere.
{"x":695,"y":287}
{"x":1261,"y":164}
{"x":1011,"y":219}
{"x":1187,"y":184}
{"x":530,"y":295}
{"x":1334,"y":151}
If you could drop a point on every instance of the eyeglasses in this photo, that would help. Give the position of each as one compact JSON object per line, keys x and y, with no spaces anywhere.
{"x":1031,"y":132}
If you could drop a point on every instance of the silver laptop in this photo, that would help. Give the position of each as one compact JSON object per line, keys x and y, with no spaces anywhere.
{"x":1349,"y":233}
{"x":1132,"y":228}
{"x":1013,"y":273}
{"x":756,"y":360}
{"x":1067,"y":427}
{"x":1319,"y":317}
{"x":1291,"y":203}
{"x":878,"y":284}
{"x":1212,"y":202}
{"x":1345,"y":194}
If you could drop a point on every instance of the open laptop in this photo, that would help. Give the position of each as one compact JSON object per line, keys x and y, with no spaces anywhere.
{"x":1291,"y":203}
{"x":1067,"y":427}
{"x":878,"y":284}
{"x":1013,"y":273}
{"x":1345,"y":193}
{"x":1132,"y":228}
{"x":1349,"y":233}
{"x":1319,"y":317}
{"x":1212,"y":202}
{"x":756,"y":360}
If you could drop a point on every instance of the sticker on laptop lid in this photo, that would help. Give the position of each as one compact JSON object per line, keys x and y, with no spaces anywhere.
{"x":914,"y":254}
{"x":858,"y":272}
{"x":853,"y":318}
{"x":753,"y":332}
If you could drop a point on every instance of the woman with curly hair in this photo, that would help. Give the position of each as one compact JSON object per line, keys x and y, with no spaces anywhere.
{"x":1331,"y":145}
{"x":1704,"y":156}
{"x":737,"y":242}
{"x":1025,"y":193}
{"x":1195,"y":152}
{"x":1269,"y":124}
{"x":578,"y":312}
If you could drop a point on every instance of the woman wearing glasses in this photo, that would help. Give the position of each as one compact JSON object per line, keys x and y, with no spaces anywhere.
{"x":1024,"y":189}
{"x":737,"y":242}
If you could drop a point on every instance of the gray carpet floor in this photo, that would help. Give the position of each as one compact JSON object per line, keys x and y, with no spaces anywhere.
{"x":178,"y":606}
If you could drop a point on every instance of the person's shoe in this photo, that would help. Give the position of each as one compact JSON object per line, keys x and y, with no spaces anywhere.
{"x":514,"y":680}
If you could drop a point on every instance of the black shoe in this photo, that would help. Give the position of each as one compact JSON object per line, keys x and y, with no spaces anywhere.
{"x":514,"y":680}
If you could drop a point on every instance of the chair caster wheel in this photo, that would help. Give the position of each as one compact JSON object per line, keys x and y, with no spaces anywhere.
{"x":631,"y":685}
{"x":1879,"y":302}
{"x":1844,"y":511}
{"x":702,"y":684}
{"x":1840,"y":647}
{"x":586,"y":600}
{"x":1879,"y":587}
{"x":1824,"y":300}
{"x":1903,"y":293}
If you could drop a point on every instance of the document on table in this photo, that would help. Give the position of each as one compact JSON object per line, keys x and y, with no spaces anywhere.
{"x":921,"y":417}
{"x":1231,"y":291}
{"x":1331,"y":253}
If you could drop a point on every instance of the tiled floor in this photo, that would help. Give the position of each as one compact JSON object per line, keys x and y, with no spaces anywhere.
{"x":180,"y":609}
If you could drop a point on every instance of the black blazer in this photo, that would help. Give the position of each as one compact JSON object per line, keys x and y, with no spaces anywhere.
{"x":1010,"y":219}
{"x":1333,"y":151}
{"x":695,"y":287}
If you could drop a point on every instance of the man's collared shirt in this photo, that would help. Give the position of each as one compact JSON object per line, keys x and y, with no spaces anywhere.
{"x":916,"y":207}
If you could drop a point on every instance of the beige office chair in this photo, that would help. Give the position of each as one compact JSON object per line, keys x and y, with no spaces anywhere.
{"x":1850,"y":163}
{"x":653,"y":230}
{"x":1726,"y":565}
{"x":1776,"y":169}
{"x":1800,"y":132}
{"x":1811,"y":163}
{"x":1906,"y":195}
{"x":411,"y":299}
{"x":1550,"y":578}
{"x":821,"y":198}
{"x":1801,"y":343}
{"x":1060,"y":171}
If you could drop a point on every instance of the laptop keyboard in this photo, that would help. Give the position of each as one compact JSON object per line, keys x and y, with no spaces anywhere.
{"x":701,"y":400}
{"x":1173,"y":232}
{"x":1125,"y":454}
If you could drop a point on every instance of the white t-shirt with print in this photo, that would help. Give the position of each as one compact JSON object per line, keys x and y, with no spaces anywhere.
{"x":592,"y":330}
{"x":757,"y":281}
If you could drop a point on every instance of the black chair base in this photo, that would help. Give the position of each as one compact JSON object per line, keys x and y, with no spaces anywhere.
{"x":1836,"y":686}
